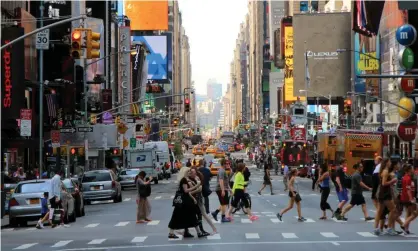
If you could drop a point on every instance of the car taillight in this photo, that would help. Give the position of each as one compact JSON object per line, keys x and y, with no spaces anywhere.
{"x":13,"y":202}
{"x":113,"y":184}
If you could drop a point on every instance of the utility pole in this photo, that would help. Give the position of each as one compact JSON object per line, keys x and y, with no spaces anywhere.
{"x":86,"y":150}
{"x":41,"y":94}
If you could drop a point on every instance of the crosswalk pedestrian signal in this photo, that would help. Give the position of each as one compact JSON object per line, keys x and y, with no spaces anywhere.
{"x":187,"y":105}
{"x":73,"y":151}
{"x":76,"y":49}
{"x":347,"y":106}
{"x":93,"y":44}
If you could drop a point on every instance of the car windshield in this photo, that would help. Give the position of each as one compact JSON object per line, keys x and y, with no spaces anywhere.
{"x":130,"y":172}
{"x":97,"y":176}
{"x":36,"y":187}
{"x":68,"y":183}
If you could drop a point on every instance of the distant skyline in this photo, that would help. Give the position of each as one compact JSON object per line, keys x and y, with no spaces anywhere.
{"x":212,"y":27}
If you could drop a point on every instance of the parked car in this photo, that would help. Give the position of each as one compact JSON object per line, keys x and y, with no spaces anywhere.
{"x":73,"y":188}
{"x":127,"y":177}
{"x":25,"y":202}
{"x":101,"y":185}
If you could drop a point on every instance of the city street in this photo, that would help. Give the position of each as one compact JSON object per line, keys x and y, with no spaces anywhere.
{"x":109,"y":226}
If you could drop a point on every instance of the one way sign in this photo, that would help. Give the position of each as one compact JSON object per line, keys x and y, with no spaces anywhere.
{"x":67,"y":130}
{"x":85,"y":129}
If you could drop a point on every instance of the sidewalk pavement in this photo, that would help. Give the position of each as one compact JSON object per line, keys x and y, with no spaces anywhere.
{"x":5,"y":221}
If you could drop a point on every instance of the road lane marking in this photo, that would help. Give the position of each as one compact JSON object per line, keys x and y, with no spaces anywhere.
{"x":246,"y":221}
{"x":216,"y":221}
{"x":340,"y":221}
{"x":289,"y":235}
{"x":214,"y":237}
{"x":122,"y":224}
{"x":271,"y":215}
{"x":366,"y":234}
{"x":153,"y":223}
{"x":92,"y":225}
{"x":267,"y":212}
{"x":276,"y":221}
{"x":274,"y":205}
{"x":60,"y":244}
{"x":127,"y":199}
{"x":25,"y":246}
{"x":335,"y":243}
{"x":252,"y":236}
{"x":96,"y":242}
{"x":172,"y":197}
{"x":138,"y":239}
{"x":158,"y":197}
{"x":329,"y":235}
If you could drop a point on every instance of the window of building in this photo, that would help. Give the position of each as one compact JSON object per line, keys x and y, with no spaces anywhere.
{"x":314,"y":6}
{"x":304,"y":6}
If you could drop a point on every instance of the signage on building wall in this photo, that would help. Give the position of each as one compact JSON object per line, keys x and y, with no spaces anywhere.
{"x":125,"y":65}
{"x":298,"y":133}
{"x":373,"y":113}
{"x":321,"y":55}
{"x":288,"y":68}
{"x":407,"y":130}
{"x":12,"y":79}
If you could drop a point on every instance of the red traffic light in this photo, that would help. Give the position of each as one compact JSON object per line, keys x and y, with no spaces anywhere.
{"x":115,"y":151}
{"x":348,"y":102}
{"x":187,"y":101}
{"x":76,"y":35}
{"x":73,"y":151}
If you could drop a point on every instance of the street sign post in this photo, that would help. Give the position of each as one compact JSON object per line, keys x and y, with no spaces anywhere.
{"x":67,"y":130}
{"x":85,"y":129}
{"x":132,"y":142}
{"x":55,"y":138}
{"x":25,"y":122}
{"x":42,"y":40}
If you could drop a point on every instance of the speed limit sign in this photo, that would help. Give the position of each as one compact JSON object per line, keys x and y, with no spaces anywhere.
{"x":42,"y":40}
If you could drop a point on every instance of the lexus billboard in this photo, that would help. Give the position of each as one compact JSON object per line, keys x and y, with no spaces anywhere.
{"x":324,"y":34}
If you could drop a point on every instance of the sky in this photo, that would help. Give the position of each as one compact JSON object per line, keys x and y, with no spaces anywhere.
{"x":212,"y":27}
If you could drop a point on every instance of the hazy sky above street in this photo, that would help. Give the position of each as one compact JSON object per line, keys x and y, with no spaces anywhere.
{"x":212,"y":27}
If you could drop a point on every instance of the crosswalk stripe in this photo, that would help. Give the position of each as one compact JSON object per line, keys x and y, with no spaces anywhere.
{"x":340,"y":221}
{"x":172,"y":197}
{"x":252,"y":236}
{"x":366,"y":234}
{"x":122,"y":224}
{"x":270,"y":215}
{"x":215,"y":221}
{"x":289,"y":235}
{"x":96,"y":241}
{"x":158,"y":197}
{"x":276,"y":221}
{"x":60,"y":244}
{"x":153,"y":223}
{"x":246,"y":221}
{"x":329,"y":235}
{"x":25,"y":246}
{"x":267,"y":212}
{"x":139,"y":239}
{"x":214,"y":237}
{"x":127,"y":199}
{"x":92,"y":225}
{"x":308,"y":220}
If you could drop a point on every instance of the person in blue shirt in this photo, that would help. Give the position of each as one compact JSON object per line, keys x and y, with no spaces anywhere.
{"x":44,"y":211}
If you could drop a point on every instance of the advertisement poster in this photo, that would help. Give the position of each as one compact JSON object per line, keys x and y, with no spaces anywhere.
{"x":366,"y":61}
{"x":288,"y":70}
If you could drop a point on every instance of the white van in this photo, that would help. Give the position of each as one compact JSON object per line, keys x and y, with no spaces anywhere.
{"x":163,"y":155}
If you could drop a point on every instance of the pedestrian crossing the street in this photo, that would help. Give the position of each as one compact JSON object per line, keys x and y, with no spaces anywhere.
{"x":321,"y":236}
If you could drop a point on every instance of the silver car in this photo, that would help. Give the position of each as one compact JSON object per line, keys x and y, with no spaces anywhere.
{"x":101,"y":185}
{"x":127,"y":177}
{"x":25,"y":202}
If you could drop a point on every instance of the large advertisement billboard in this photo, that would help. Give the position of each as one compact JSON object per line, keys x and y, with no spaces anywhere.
{"x":157,"y":57}
{"x":320,"y":35}
{"x":147,"y":15}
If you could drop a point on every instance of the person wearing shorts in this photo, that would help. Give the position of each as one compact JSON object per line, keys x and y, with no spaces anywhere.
{"x":407,"y":198}
{"x":376,"y":179}
{"x":340,"y":187}
{"x":222,"y":190}
{"x":357,"y":198}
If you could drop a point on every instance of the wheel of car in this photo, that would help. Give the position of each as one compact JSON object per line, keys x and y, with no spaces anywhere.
{"x":13,"y":222}
{"x":116,"y":199}
{"x":120,"y":197}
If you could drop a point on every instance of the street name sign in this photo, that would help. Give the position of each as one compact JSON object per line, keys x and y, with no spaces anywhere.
{"x":67,"y":130}
{"x":42,"y":40}
{"x":85,"y":129}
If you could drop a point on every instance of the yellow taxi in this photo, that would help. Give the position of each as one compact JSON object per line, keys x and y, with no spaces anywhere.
{"x":214,"y":167}
{"x":219,"y":153}
{"x":197,"y":150}
{"x":211,"y":150}
{"x":196,"y":160}
{"x":231,"y":148}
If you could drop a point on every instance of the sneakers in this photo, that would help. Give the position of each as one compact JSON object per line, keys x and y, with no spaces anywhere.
{"x":214,"y":215}
{"x":279,"y":216}
{"x":225,"y":220}
{"x":368,"y":218}
{"x":377,"y":232}
{"x":40,"y":225}
{"x":392,"y":232}
{"x":254,"y":218}
{"x":301,"y":219}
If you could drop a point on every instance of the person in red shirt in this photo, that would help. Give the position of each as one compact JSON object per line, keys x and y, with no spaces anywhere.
{"x":407,"y":199}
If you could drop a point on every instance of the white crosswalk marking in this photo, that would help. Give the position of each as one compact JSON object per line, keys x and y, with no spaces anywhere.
{"x":138,"y":239}
{"x":92,"y":225}
{"x":122,"y":224}
{"x":158,"y":197}
{"x":214,"y":237}
{"x":329,"y":235}
{"x":366,"y":234}
{"x":252,"y":236}
{"x":60,"y":244}
{"x":340,"y":221}
{"x":276,"y":221}
{"x":153,"y":223}
{"x":270,"y":215}
{"x":172,"y":197}
{"x":267,"y":212}
{"x":96,"y":241}
{"x":246,"y":221}
{"x":289,"y":235}
{"x":215,"y":222}
{"x":25,"y":246}
{"x":127,"y":199}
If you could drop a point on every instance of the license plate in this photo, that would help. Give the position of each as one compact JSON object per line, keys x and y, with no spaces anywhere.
{"x":33,"y":201}
{"x":95,"y":188}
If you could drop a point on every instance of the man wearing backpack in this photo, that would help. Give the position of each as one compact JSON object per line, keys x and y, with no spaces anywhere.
{"x":341,"y":188}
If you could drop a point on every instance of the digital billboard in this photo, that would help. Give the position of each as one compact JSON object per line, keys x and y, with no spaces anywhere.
{"x":147,"y":15}
{"x":157,"y":57}
{"x":320,"y":35}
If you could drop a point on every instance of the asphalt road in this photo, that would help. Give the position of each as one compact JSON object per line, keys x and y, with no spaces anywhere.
{"x":109,"y":226}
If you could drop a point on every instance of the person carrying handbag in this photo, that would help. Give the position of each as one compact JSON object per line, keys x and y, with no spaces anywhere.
{"x":294,"y":196}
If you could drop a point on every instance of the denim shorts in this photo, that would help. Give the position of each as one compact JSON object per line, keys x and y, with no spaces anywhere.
{"x":342,"y":195}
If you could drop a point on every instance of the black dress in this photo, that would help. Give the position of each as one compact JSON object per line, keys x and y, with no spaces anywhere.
{"x":185,"y":216}
{"x":267,"y":180}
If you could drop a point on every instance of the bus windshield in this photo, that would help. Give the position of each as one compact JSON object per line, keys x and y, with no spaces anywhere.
{"x":294,"y":154}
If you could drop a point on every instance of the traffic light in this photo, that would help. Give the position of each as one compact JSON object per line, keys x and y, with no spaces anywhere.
{"x":187,"y":105}
{"x":73,"y":151}
{"x":347,"y":106}
{"x":92,"y":44}
{"x":76,"y":49}
{"x":117,"y":120}
{"x":198,"y":130}
{"x":176,"y":122}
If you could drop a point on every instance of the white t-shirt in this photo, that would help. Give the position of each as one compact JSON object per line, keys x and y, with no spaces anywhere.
{"x":377,"y":169}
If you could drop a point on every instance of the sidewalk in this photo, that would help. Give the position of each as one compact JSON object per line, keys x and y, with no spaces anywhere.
{"x":5,"y":221}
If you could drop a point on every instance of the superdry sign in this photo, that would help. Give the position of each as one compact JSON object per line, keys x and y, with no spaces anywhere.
{"x":12,"y":79}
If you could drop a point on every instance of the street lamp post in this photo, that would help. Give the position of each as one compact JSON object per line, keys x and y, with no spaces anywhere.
{"x":329,"y":97}
{"x":274,"y":117}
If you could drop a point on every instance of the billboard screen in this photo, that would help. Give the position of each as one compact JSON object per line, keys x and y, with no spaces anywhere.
{"x":147,"y":15}
{"x":330,"y":71}
{"x":157,"y":58}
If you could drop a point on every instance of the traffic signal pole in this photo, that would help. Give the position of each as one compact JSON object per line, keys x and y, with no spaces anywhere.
{"x":41,"y":96}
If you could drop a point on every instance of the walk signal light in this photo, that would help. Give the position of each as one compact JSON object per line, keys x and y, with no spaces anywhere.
{"x":347,"y":106}
{"x":76,"y":50}
{"x":73,"y":151}
{"x":93,"y":44}
{"x":187,"y":105}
